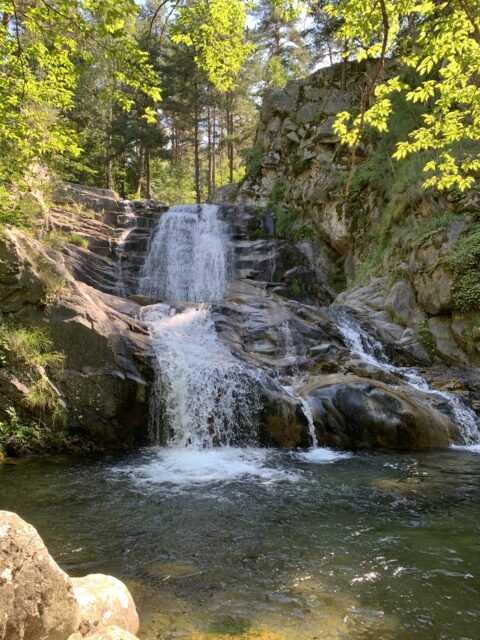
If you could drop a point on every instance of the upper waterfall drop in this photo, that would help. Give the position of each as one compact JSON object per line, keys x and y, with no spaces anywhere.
{"x":188,"y":259}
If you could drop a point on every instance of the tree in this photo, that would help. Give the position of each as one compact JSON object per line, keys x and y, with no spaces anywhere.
{"x":280,"y":43}
{"x":440,"y":41}
{"x":44,"y":46}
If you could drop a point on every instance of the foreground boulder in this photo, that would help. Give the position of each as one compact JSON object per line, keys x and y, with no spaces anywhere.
{"x":37,"y":601}
{"x":104,"y":601}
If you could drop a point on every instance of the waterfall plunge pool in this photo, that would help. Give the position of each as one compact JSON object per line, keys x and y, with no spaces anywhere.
{"x":251,"y":543}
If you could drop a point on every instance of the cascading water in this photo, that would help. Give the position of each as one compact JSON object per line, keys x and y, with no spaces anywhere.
{"x":294,"y":379}
{"x":201,"y":393}
{"x":373,"y":353}
{"x":129,"y":214}
{"x":188,"y":259}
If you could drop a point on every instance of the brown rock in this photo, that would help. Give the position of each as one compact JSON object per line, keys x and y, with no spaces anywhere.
{"x":111,"y":633}
{"x":104,"y":601}
{"x":36,"y":597}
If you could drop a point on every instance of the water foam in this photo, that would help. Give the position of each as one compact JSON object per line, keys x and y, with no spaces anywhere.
{"x":322,"y":455}
{"x":184,"y":467}
{"x":202,"y":394}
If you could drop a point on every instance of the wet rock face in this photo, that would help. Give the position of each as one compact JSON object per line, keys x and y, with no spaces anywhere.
{"x":37,"y":601}
{"x":116,"y":237}
{"x":365,"y":414}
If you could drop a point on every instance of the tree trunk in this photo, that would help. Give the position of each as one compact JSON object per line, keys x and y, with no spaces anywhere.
{"x":109,"y":173}
{"x":344,"y":67}
{"x":209,"y":155}
{"x":230,"y":138}
{"x":148,"y":176}
{"x":141,"y":171}
{"x":196,"y":147}
{"x":214,"y":149}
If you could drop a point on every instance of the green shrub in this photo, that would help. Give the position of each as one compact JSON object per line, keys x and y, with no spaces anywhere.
{"x":42,"y":397}
{"x":78,"y":240}
{"x":19,"y":435}
{"x":426,"y":338}
{"x":27,"y":346}
{"x":254,"y":164}
{"x":464,"y":262}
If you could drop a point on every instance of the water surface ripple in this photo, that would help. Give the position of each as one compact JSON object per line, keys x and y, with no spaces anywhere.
{"x":230,"y":541}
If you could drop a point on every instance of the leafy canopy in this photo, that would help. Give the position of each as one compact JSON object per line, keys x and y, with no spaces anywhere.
{"x":216,"y":31}
{"x":440,"y":41}
{"x":43,"y":46}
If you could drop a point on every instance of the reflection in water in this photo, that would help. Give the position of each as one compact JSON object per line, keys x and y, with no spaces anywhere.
{"x":233,"y":543}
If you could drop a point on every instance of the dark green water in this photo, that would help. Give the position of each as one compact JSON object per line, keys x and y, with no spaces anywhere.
{"x":369,"y":546}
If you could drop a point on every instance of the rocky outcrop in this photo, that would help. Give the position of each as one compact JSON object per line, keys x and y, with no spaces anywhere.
{"x":299,"y":166}
{"x":103,"y":246}
{"x":104,"y":602}
{"x":104,"y":379}
{"x":39,"y":601}
{"x":357,"y":400}
{"x":351,"y":412}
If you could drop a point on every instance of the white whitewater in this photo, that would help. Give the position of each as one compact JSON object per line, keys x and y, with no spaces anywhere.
{"x":202,"y":394}
{"x":371,"y":351}
{"x":295,"y":379}
{"x":188,"y":257}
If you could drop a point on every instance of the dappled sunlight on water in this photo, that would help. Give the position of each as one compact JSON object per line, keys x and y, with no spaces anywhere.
{"x":232,"y":543}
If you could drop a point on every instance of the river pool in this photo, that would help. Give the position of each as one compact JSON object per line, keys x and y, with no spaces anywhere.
{"x":251,"y":543}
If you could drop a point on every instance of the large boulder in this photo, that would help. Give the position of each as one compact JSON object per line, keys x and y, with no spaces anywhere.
{"x":355,"y":413}
{"x":104,"y":601}
{"x":90,"y":197}
{"x":37,"y":601}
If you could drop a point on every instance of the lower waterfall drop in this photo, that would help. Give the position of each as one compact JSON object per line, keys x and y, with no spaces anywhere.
{"x":202,"y":393}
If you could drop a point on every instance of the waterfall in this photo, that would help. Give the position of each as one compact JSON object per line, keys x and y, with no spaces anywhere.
{"x":202,"y":395}
{"x":372,"y":352}
{"x":188,"y":256}
{"x":293,"y":380}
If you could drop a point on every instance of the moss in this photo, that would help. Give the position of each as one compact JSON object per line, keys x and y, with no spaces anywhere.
{"x":426,"y":338}
{"x":464,"y":262}
{"x":336,"y":279}
{"x":254,"y":164}
{"x":296,"y":287}
{"x":470,"y":338}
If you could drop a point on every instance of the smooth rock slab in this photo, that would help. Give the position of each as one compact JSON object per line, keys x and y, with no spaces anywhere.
{"x":36,"y":597}
{"x":104,"y":601}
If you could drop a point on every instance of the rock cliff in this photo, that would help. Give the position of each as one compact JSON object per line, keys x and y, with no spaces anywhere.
{"x":401,"y":255}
